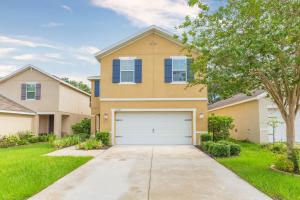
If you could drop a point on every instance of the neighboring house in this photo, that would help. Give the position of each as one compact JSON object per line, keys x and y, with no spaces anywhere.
{"x":142,"y":95}
{"x":252,"y":115}
{"x":57,"y":104}
{"x":14,"y":117}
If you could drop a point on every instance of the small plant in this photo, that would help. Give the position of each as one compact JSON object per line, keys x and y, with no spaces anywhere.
{"x":284,"y":164}
{"x":220,"y":126}
{"x":89,"y":144}
{"x":33,"y":139}
{"x":206,"y":137}
{"x":66,"y":141}
{"x":205,"y":145}
{"x":235,"y":149}
{"x":219,"y":150}
{"x":104,"y":137}
{"x":82,"y":128}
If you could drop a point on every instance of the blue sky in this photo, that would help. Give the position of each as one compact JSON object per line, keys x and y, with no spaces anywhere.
{"x":61,"y":36}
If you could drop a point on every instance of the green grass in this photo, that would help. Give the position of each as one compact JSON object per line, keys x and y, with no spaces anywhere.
{"x":253,"y":166}
{"x":24,"y":170}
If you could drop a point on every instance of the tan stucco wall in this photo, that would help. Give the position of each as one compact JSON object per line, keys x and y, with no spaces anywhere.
{"x":14,"y":123}
{"x":200,"y":106}
{"x":152,"y":49}
{"x":68,"y":120}
{"x":153,"y":84}
{"x":246,"y":120}
{"x":73,"y":102}
{"x":49,"y":91}
{"x":43,"y":123}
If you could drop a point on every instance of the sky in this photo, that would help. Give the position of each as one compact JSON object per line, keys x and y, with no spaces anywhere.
{"x":62,"y":36}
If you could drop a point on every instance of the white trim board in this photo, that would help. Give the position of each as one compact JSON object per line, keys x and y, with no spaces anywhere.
{"x":153,"y":99}
{"x":114,"y":110}
{"x":16,"y":112}
{"x":240,"y":102}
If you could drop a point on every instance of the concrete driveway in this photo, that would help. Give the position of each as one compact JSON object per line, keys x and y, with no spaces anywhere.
{"x":151,"y":172}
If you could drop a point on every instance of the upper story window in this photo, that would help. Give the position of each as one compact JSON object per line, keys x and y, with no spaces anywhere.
{"x":179,"y":69}
{"x":127,"y":70}
{"x":31,"y":91}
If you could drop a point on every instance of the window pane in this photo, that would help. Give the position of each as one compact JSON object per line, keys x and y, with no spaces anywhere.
{"x":31,"y":87}
{"x":30,"y":95}
{"x":179,"y":76}
{"x":179,"y":64}
{"x":127,"y":64}
{"x":127,"y":76}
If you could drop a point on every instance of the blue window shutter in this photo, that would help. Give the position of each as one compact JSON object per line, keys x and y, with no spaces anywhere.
{"x":168,"y":70}
{"x":190,"y":75}
{"x":97,"y":88}
{"x":116,"y":71}
{"x":138,"y":70}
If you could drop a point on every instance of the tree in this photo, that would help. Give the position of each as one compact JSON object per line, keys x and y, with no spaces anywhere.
{"x":78,"y":84}
{"x":248,"y":45}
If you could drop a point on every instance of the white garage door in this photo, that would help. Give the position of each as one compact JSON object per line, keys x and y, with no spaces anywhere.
{"x":281,"y":129}
{"x":154,"y":128}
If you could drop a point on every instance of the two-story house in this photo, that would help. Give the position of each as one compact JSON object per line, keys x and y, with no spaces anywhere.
{"x":57,"y":105}
{"x":142,"y":96}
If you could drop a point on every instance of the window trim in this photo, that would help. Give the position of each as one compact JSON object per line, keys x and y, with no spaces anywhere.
{"x":186,"y":76}
{"x":133,"y":71}
{"x":31,"y":83}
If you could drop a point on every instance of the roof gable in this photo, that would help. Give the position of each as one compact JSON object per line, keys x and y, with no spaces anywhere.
{"x":10,"y":106}
{"x":237,"y":99}
{"x":152,"y":29}
{"x":44,"y":73}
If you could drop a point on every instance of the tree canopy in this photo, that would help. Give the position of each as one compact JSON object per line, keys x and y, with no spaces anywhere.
{"x":79,"y":84}
{"x":248,"y":45}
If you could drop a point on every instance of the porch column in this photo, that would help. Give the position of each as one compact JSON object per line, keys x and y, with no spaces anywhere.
{"x":35,"y":125}
{"x":93,"y":124}
{"x":57,"y":124}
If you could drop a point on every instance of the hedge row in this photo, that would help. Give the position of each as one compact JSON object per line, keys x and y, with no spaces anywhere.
{"x":222,"y":148}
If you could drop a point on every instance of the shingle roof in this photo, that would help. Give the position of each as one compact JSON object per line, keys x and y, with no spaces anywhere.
{"x":8,"y":105}
{"x":236,"y":99}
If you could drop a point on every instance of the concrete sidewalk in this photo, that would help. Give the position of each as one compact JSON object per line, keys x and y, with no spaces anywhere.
{"x":151,"y":172}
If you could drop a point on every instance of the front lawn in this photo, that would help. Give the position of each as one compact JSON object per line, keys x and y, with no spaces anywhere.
{"x":24,"y":170}
{"x":253,"y":166}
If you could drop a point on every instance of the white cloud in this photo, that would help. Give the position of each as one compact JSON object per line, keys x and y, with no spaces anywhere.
{"x":6,"y":51}
{"x":28,"y":57}
{"x":52,"y":25}
{"x":6,"y":69}
{"x":164,"y":13}
{"x":88,"y":49}
{"x":53,"y":55}
{"x":87,"y":59}
{"x":67,"y":8}
{"x":23,"y":42}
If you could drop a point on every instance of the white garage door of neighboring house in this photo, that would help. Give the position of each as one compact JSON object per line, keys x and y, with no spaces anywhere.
{"x":154,"y":128}
{"x":280,"y":130}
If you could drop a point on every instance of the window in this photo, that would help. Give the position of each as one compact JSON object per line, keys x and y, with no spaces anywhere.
{"x":179,"y":69}
{"x":127,"y":70}
{"x":30,"y":90}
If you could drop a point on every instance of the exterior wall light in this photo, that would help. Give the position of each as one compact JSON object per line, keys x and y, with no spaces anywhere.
{"x":201,"y":115}
{"x":105,"y":116}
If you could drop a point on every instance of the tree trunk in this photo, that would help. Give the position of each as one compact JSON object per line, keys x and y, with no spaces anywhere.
{"x":290,"y":132}
{"x":290,"y":136}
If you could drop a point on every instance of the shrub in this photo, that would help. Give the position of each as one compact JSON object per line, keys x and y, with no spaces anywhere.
{"x":235,"y":149}
{"x":10,"y":140}
{"x":103,"y":137}
{"x":91,"y":143}
{"x":25,"y":135}
{"x":205,"y":145}
{"x":33,"y":139}
{"x":284,"y":164}
{"x":206,"y":137}
{"x":219,"y":150}
{"x":66,"y":141}
{"x":82,"y":128}
{"x":220,"y":126}
{"x":279,"y":147}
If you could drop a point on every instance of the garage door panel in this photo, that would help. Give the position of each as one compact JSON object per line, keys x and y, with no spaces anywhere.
{"x":154,"y":128}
